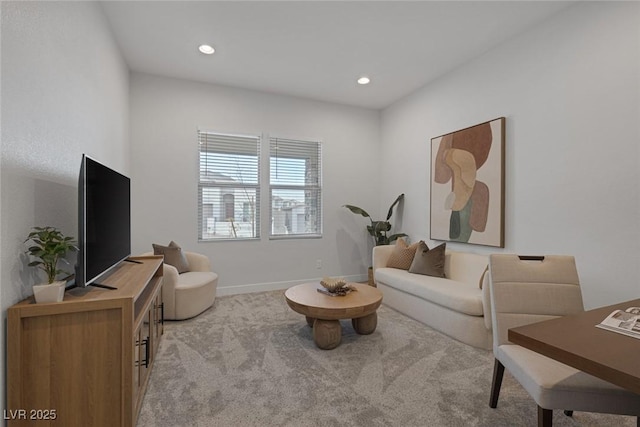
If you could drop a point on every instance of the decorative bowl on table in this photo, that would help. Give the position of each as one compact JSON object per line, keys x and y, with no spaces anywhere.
{"x":334,"y":286}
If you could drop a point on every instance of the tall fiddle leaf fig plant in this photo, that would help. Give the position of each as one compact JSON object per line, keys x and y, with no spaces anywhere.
{"x":378,"y":229}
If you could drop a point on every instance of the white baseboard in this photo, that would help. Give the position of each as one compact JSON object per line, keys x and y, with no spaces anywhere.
{"x":274,"y":286}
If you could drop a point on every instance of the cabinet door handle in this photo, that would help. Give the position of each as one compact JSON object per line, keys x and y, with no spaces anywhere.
{"x":147,"y":352}
{"x":144,"y":362}
{"x":161,"y":319}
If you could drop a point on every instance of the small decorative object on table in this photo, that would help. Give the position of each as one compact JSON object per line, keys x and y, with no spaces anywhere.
{"x":335,"y":287}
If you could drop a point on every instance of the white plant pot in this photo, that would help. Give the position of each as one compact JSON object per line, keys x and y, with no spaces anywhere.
{"x":53,"y":292}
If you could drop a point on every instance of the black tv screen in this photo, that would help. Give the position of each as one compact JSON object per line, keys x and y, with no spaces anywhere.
{"x":104,"y":220}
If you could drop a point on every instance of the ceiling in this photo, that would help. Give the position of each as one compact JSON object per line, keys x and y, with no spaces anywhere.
{"x":317,"y":49}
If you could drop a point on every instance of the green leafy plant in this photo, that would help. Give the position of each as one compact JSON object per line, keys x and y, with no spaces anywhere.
{"x":49,"y":246}
{"x":378,"y":229}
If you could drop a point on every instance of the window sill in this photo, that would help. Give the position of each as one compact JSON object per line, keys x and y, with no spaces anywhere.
{"x":295,"y":236}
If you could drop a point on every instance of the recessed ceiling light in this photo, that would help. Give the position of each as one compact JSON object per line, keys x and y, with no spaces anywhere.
{"x":364,"y":80}
{"x":206,"y":49}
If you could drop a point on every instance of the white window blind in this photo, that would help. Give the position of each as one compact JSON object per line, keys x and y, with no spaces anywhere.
{"x":229,"y":186}
{"x":295,"y":188}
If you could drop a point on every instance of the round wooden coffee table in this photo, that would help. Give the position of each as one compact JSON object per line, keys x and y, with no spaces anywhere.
{"x":323,"y":312}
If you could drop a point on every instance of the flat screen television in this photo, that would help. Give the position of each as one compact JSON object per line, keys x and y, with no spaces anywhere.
{"x":104,"y":221}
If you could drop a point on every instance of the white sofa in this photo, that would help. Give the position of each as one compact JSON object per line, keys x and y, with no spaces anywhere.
{"x":453,"y":305}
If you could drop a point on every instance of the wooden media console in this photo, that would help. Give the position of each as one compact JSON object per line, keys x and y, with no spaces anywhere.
{"x":86,"y":361}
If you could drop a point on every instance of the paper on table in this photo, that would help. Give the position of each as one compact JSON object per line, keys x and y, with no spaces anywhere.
{"x":625,"y":322}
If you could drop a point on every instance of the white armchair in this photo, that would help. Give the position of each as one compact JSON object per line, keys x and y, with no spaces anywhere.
{"x":188,"y":294}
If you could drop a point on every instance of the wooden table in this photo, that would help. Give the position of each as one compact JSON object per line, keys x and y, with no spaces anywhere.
{"x":575,"y":341}
{"x":323,"y":312}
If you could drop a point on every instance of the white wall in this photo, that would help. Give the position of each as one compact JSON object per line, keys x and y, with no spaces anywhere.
{"x":165,"y":115}
{"x":570,"y":92}
{"x":64,"y":92}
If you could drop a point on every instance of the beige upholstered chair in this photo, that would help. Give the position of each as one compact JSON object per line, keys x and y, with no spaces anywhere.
{"x":188,"y":294}
{"x":528,"y":291}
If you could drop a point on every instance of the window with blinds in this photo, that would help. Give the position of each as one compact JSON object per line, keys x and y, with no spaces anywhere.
{"x":295,"y":189}
{"x":229,"y":186}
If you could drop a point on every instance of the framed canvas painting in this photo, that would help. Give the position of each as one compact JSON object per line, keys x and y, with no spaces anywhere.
{"x":467,"y":185}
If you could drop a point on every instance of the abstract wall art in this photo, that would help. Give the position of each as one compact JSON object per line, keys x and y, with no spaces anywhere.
{"x":467,"y":185}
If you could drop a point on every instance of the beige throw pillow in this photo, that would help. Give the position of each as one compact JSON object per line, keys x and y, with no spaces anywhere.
{"x":173,"y":255}
{"x":402,"y":255}
{"x":429,"y":262}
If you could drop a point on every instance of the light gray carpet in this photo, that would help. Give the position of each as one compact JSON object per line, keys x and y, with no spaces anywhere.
{"x":251,"y":361}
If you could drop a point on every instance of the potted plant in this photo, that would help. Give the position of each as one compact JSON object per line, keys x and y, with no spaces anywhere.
{"x":378,"y":229}
{"x":49,"y":247}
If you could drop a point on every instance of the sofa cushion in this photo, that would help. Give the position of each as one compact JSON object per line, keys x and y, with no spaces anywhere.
{"x":402,"y":254}
{"x":429,"y":262}
{"x":458,"y":296}
{"x":465,"y":266}
{"x":195,"y":279}
{"x":173,"y":255}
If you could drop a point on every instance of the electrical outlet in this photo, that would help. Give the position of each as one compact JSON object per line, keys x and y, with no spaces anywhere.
{"x":318,"y":264}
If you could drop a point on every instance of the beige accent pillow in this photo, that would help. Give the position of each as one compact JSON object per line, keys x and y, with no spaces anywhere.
{"x":402,"y":255}
{"x":429,"y":262}
{"x":173,"y":255}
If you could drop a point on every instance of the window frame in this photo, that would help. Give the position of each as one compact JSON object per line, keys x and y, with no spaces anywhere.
{"x":227,"y":188}
{"x":315,"y":187}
